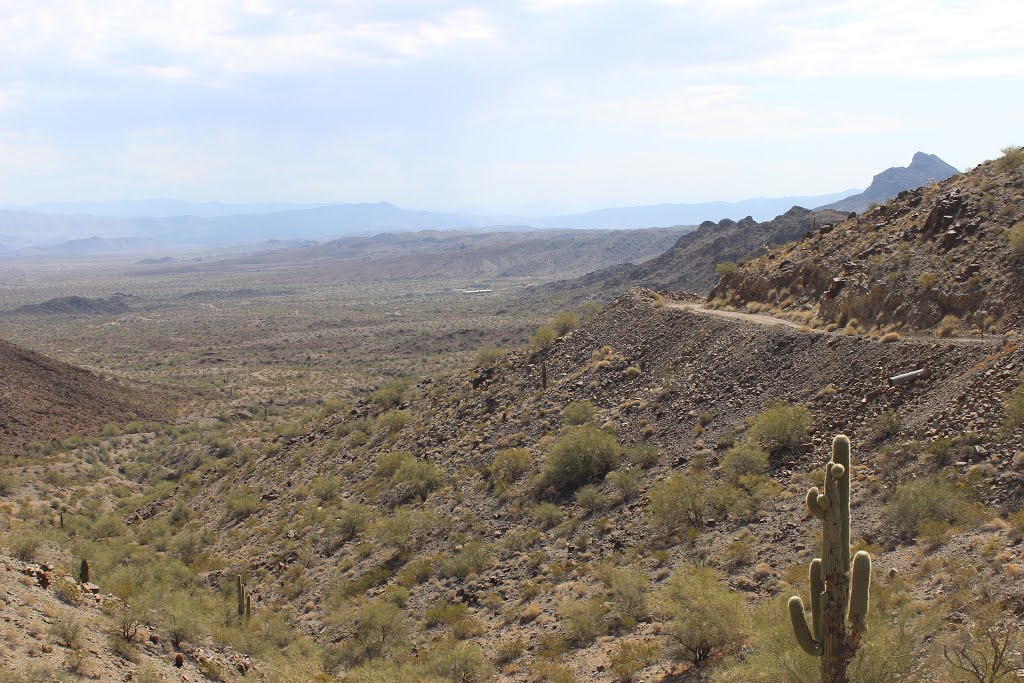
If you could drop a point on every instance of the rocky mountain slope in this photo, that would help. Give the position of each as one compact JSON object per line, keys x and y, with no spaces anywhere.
{"x":923,"y":169}
{"x":446,"y":254}
{"x":943,"y":250}
{"x":43,"y":399}
{"x":689,"y":265}
{"x":677,"y":388}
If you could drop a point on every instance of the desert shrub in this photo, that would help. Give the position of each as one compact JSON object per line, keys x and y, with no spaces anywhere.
{"x":590,"y":499}
{"x":1015,"y":236}
{"x":547,"y":515}
{"x":509,"y":465}
{"x":67,"y":629}
{"x":391,"y":393}
{"x":325,"y":488}
{"x":389,"y":463}
{"x":885,"y":426}
{"x":241,"y":505}
{"x":403,"y":528}
{"x":725,"y":268}
{"x":378,"y":629}
{"x":627,"y":593}
{"x":417,"y":478}
{"x":488,"y":354}
{"x":583,"y":621}
{"x":25,"y":545}
{"x":587,"y":310}
{"x":643,"y":456}
{"x":893,"y":649}
{"x":922,"y":500}
{"x":416,"y":572}
{"x":982,"y":650}
{"x":472,"y":559}
{"x":544,"y":337}
{"x":7,"y":483}
{"x":564,"y":322}
{"x":578,"y":412}
{"x":680,"y":504}
{"x":781,"y":427}
{"x":580,"y":457}
{"x":947,"y":326}
{"x":631,"y":657}
{"x":1011,"y":160}
{"x":392,"y":421}
{"x":703,"y":615}
{"x":1015,"y":408}
{"x":626,"y":482}
{"x":743,"y":459}
{"x":459,"y":661}
{"x":351,"y":521}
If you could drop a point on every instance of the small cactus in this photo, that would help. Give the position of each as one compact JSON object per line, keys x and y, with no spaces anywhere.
{"x":179,"y":660}
{"x":543,"y":376}
{"x":244,"y":598}
{"x":839,"y":603}
{"x":83,"y":572}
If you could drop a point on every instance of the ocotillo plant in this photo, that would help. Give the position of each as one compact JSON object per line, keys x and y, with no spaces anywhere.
{"x":833,"y":603}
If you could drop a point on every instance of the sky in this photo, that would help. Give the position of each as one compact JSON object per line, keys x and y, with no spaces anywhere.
{"x":499,"y":106}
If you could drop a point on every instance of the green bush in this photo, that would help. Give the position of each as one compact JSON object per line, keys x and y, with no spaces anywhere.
{"x":703,"y":614}
{"x":392,"y":392}
{"x":1011,"y":160}
{"x":631,"y":657}
{"x":459,"y":662}
{"x":581,"y":456}
{"x":1015,"y":236}
{"x":725,"y":268}
{"x":509,"y":465}
{"x":781,"y":427}
{"x":590,"y":499}
{"x":417,"y":478}
{"x":547,"y":515}
{"x":241,"y":505}
{"x":379,"y":629}
{"x":583,"y":621}
{"x":626,"y":482}
{"x":544,"y":337}
{"x":643,"y":456}
{"x":565,"y":322}
{"x":680,"y":504}
{"x":923,"y":500}
{"x":392,"y":421}
{"x":578,"y":412}
{"x":389,"y":463}
{"x":743,"y":459}
{"x":486,"y":355}
{"x":24,"y":545}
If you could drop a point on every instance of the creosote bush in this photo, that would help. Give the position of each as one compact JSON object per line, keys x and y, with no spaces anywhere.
{"x":544,"y":337}
{"x":923,"y":500}
{"x":780,"y":428}
{"x":1011,"y":160}
{"x":583,"y":455}
{"x":1015,"y":408}
{"x":578,"y":412}
{"x":509,"y":465}
{"x":702,"y":613}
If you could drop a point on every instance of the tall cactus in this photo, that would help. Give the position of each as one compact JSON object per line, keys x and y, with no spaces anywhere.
{"x":835,"y":597}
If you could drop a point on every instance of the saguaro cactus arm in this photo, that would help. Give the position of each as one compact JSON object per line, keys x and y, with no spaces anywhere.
{"x":803,"y":634}
{"x":859,"y":594}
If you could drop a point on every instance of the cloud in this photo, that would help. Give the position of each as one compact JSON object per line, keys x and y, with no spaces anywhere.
{"x":193,"y":39}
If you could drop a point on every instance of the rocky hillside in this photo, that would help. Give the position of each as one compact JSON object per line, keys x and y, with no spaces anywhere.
{"x":43,"y":399}
{"x":923,"y":169}
{"x":690,"y":264}
{"x":941,"y":257}
{"x":79,"y":305}
{"x":439,"y":507}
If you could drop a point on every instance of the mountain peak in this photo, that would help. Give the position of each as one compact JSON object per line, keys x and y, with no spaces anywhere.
{"x":923,"y":169}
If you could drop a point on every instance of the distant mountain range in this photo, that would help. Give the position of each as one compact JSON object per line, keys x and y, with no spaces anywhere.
{"x":154,"y":227}
{"x":923,"y":169}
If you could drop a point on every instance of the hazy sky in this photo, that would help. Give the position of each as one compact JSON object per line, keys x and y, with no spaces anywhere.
{"x":452,"y":104}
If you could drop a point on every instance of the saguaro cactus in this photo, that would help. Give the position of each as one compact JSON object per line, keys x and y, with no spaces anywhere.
{"x":835,"y":598}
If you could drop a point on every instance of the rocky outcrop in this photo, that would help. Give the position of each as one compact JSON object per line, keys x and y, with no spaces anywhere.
{"x":923,"y":169}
